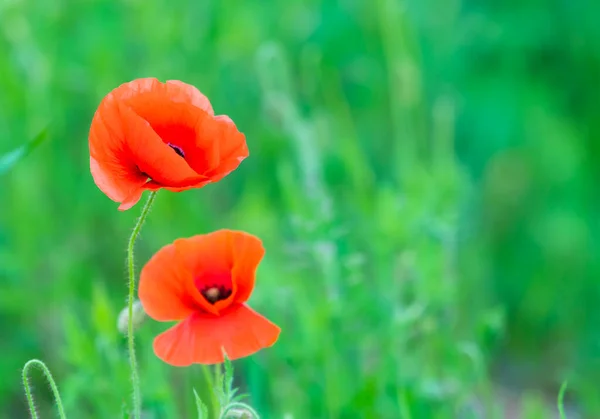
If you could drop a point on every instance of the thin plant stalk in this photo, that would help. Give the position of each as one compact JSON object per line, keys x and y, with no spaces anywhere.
{"x":561,"y":401}
{"x":135,"y":379}
{"x":210,"y":378}
{"x":51,"y":382}
{"x":249,"y":411}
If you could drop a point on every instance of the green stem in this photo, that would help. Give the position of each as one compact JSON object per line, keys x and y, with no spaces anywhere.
{"x":561,"y":400}
{"x":210,"y":384}
{"x":53,"y":387}
{"x":135,"y":379}
{"x":240,"y":406}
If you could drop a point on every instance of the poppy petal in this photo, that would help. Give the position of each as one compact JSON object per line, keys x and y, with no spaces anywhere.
{"x":111,"y":163}
{"x":248,"y":251}
{"x":125,"y":152}
{"x":131,"y":199}
{"x":166,"y":288}
{"x":135,"y":196}
{"x":180,"y":91}
{"x":171,"y":91}
{"x":148,"y":135}
{"x":231,"y":143}
{"x":153,"y":186}
{"x":117,"y":188}
{"x":152,"y":156}
{"x":235,"y":253}
{"x":208,"y":257}
{"x":201,"y":338}
{"x":213,"y":146}
{"x":196,"y":134}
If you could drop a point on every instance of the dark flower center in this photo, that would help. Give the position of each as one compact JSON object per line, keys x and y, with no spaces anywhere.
{"x":177,"y":149}
{"x":215,"y":293}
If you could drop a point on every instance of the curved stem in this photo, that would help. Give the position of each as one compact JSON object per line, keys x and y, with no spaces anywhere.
{"x":135,"y":379}
{"x":53,"y":387}
{"x":240,"y":406}
{"x":561,"y":400}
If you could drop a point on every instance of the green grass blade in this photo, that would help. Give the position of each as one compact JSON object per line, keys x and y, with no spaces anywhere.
{"x":561,"y":400}
{"x":8,"y":160}
{"x":202,"y":408}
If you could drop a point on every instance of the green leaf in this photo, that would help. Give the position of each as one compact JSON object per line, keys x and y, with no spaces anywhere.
{"x":238,"y":397}
{"x":8,"y":160}
{"x":221,"y":395}
{"x":228,"y":383}
{"x":102,"y":313}
{"x":201,"y":407}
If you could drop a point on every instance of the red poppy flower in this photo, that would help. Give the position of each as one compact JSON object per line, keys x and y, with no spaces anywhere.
{"x":204,"y":281}
{"x":148,"y":135}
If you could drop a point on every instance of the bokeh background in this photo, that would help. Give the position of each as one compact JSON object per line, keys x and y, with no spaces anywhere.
{"x":424,"y":176}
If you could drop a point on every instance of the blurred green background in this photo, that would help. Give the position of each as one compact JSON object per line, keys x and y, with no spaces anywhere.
{"x":423,"y":175}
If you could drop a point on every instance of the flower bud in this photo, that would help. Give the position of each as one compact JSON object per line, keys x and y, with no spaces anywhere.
{"x":240,"y":414}
{"x":138,"y":317}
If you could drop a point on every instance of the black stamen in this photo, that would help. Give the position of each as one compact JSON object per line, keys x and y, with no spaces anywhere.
{"x":215,"y":293}
{"x":177,"y":150}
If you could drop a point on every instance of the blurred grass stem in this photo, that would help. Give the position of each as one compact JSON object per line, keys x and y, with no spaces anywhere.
{"x":51,"y":382}
{"x":135,"y":380}
{"x":210,"y":376}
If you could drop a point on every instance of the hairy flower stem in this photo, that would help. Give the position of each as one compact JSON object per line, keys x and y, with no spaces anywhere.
{"x":243,"y":411}
{"x":53,"y":387}
{"x":135,"y":379}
